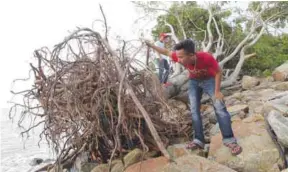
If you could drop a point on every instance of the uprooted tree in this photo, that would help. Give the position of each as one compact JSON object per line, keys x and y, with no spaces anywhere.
{"x":91,"y":98}
{"x":215,"y":30}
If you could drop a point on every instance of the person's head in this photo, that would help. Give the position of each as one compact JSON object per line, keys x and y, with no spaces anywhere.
{"x":185,"y":51}
{"x":164,"y":37}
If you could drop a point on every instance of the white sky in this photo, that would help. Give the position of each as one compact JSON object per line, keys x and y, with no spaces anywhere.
{"x":31,"y":24}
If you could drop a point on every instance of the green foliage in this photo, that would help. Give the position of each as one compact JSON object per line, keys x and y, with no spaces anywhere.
{"x":271,"y":52}
{"x":194,"y":19}
{"x":277,"y":13}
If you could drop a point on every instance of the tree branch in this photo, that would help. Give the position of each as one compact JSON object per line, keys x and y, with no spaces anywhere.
{"x":219,"y":45}
{"x":181,"y":25}
{"x":250,"y":55}
{"x":210,"y":36}
{"x":105,"y":22}
{"x":173,"y":35}
{"x":233,"y":77}
{"x":236,"y":50}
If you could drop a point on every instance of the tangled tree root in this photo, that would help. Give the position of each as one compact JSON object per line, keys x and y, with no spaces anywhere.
{"x":91,"y":99}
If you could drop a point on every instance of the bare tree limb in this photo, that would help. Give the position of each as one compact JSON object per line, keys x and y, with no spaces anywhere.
{"x":239,"y":46}
{"x":173,"y":35}
{"x":233,"y":77}
{"x":105,"y":22}
{"x":219,"y":41}
{"x":178,"y":67}
{"x":181,"y":25}
{"x":210,"y":35}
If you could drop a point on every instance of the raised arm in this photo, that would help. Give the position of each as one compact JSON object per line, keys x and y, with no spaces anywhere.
{"x":159,"y":50}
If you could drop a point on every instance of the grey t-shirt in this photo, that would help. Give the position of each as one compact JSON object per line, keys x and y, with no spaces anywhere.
{"x":161,"y":45}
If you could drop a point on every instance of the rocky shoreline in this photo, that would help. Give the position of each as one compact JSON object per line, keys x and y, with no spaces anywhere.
{"x":257,"y":108}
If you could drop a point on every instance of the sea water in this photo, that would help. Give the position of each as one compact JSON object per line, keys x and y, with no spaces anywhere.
{"x":18,"y":152}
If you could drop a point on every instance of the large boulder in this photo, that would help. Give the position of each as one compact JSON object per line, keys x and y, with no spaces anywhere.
{"x":279,"y":124}
{"x":283,"y":86}
{"x":150,"y":165}
{"x":180,"y":79}
{"x":101,"y":168}
{"x":281,"y":99}
{"x":87,"y":166}
{"x":119,"y":167}
{"x":279,"y":103}
{"x":193,"y":163}
{"x":236,"y":109}
{"x":249,"y":82}
{"x":268,"y":94}
{"x":177,"y":82}
{"x":255,"y":107}
{"x":184,"y":87}
{"x":129,"y":159}
{"x":187,"y":163}
{"x":281,"y":72}
{"x":116,"y":166}
{"x":170,"y":91}
{"x":259,"y":151}
{"x":182,"y":96}
{"x":133,"y":157}
{"x":282,"y":108}
{"x":239,"y":109}
{"x":151,"y":154}
{"x":261,"y":95}
{"x":179,"y":150}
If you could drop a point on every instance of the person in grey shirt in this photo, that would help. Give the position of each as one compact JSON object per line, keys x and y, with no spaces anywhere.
{"x":163,"y":61}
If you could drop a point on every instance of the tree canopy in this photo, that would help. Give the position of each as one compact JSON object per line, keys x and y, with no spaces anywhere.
{"x":231,"y":33}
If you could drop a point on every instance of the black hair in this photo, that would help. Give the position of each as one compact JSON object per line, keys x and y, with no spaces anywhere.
{"x":188,"y":45}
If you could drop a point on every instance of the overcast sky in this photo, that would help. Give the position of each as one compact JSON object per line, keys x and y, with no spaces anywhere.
{"x":31,"y":24}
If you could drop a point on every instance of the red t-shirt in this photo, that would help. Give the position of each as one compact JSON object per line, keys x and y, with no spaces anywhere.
{"x":206,"y":66}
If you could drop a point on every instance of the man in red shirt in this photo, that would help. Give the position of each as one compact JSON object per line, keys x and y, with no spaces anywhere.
{"x":205,"y":76}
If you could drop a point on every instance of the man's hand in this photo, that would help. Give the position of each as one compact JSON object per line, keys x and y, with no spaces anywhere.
{"x":148,"y":43}
{"x":156,"y":48}
{"x":219,"y":95}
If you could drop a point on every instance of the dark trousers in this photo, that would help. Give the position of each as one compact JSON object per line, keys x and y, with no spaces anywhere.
{"x":163,"y":70}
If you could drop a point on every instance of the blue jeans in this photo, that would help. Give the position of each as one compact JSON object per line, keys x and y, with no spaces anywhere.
{"x":196,"y":88}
